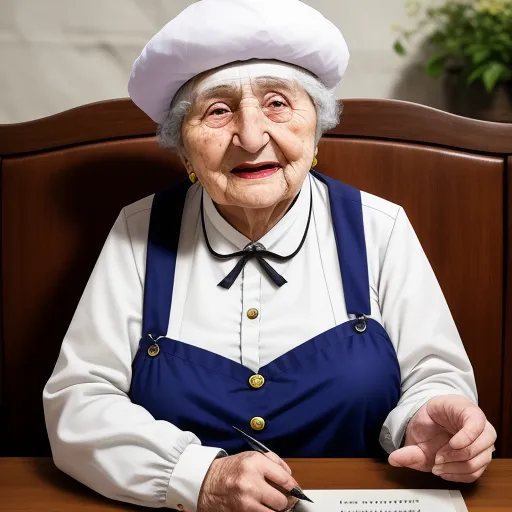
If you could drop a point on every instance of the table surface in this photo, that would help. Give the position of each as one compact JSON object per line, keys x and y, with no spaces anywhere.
{"x":34,"y":484}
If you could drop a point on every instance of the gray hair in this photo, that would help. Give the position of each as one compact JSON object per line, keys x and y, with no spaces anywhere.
{"x":328,"y":109}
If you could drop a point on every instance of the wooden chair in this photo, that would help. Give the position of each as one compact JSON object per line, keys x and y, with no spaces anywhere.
{"x":65,"y":178}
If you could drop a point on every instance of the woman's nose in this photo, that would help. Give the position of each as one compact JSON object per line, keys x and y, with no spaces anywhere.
{"x":250,"y":131}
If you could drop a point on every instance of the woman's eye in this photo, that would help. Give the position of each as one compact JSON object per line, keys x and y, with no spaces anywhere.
{"x":277,"y":109}
{"x":218,"y":112}
{"x":218,"y":115}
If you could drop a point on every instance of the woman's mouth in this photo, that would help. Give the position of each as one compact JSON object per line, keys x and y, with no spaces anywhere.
{"x":256,"y":172}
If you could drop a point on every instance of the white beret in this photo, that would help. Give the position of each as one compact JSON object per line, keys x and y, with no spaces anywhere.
{"x":213,"y":33}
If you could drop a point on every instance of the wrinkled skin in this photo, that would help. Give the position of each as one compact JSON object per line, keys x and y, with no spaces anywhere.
{"x":240,"y":484}
{"x":450,"y":437}
{"x":251,"y":121}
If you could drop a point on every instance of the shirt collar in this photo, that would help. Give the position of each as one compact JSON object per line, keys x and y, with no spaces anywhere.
{"x":283,"y":238}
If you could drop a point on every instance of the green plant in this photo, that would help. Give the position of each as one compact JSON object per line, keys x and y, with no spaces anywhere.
{"x":472,"y":37}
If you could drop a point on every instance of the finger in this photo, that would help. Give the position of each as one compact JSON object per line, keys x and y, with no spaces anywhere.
{"x":409,"y":457}
{"x":292,"y":502}
{"x":289,"y":506}
{"x":474,"y":465}
{"x":282,"y":490}
{"x":277,"y":475}
{"x":482,"y":443}
{"x":467,"y":479}
{"x":275,"y":458}
{"x":252,"y":500}
{"x":274,"y":499}
{"x":473,"y":424}
{"x":258,"y":507}
{"x":247,"y":504}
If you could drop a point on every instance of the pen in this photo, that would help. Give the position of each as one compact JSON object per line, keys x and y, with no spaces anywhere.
{"x":261,"y":448}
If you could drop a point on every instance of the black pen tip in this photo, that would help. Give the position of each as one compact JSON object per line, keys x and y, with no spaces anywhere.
{"x":297,"y":493}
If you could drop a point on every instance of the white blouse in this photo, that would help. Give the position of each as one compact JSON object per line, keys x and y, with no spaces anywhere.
{"x":102,"y":439}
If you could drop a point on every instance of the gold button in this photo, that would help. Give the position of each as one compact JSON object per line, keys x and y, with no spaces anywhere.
{"x":153,"y":350}
{"x":257,"y":381}
{"x":257,"y":423}
{"x":252,"y":314}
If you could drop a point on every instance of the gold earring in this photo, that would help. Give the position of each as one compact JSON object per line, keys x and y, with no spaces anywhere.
{"x":315,"y":162}
{"x":192,"y":177}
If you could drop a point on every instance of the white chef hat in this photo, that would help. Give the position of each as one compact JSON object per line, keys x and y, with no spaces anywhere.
{"x":213,"y":33}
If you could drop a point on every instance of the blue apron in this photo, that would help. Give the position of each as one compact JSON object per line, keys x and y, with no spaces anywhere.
{"x":328,"y":397}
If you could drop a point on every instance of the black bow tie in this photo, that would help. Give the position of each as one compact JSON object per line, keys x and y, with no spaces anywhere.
{"x":257,"y":251}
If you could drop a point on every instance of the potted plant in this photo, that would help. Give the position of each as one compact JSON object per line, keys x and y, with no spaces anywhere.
{"x":469,"y":42}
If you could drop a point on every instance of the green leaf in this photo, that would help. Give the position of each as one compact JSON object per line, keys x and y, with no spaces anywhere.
{"x":475,"y":47}
{"x":399,"y":48}
{"x":476,"y":74}
{"x":506,"y":75}
{"x":505,"y":38}
{"x":435,"y":66}
{"x":481,"y":55}
{"x":495,"y":72}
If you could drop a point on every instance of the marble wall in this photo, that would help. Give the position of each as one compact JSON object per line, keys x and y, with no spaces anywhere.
{"x":58,"y":54}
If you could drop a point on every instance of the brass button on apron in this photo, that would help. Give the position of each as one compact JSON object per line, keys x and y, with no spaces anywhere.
{"x":153,"y":350}
{"x":257,"y":381}
{"x":252,"y":314}
{"x":257,"y":423}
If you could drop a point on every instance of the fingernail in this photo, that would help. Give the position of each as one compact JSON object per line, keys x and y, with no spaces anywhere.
{"x":439,"y":459}
{"x":437,"y":470}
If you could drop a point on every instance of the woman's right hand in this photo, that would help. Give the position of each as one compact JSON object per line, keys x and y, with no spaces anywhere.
{"x":240,"y":483}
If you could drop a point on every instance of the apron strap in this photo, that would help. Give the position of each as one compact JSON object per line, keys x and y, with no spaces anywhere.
{"x":162,"y":249}
{"x":347,"y":217}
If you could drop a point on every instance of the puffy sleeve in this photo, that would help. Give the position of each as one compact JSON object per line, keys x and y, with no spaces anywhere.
{"x":415,"y":314}
{"x":97,"y":435}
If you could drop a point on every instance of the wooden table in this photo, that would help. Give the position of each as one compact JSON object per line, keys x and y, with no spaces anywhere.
{"x":28,"y":485}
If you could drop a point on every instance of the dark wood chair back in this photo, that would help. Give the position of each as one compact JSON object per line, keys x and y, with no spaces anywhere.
{"x":65,"y":178}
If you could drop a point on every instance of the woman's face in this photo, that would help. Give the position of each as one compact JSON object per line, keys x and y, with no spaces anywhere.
{"x":249,"y":139}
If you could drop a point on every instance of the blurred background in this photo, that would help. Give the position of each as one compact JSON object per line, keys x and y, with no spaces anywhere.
{"x":59,"y":54}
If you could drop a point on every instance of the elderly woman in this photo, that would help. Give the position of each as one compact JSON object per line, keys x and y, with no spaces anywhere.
{"x":258,"y":294}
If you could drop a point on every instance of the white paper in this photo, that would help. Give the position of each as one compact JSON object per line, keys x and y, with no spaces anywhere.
{"x":408,"y":500}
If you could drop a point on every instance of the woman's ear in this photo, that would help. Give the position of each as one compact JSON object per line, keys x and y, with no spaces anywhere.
{"x":316,"y":151}
{"x":186,"y":162}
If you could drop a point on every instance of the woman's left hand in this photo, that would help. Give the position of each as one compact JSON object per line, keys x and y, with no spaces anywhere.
{"x":449,"y":436}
